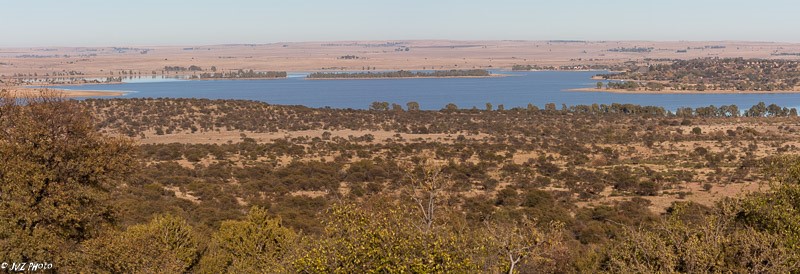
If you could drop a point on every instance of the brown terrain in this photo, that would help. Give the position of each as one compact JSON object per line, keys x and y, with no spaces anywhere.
{"x":692,"y":191}
{"x":34,"y":92}
{"x":74,"y":64}
{"x":796,"y":90}
{"x":391,"y":55}
{"x":380,"y":55}
{"x":689,"y":159}
{"x":583,"y":189}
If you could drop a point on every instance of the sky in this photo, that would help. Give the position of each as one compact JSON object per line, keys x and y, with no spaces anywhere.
{"x":199,"y":22}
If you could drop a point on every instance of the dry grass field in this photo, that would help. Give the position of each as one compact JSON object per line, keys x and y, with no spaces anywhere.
{"x":378,"y":55}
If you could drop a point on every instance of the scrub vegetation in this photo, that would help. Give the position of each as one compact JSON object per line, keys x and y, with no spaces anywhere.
{"x":110,"y":186}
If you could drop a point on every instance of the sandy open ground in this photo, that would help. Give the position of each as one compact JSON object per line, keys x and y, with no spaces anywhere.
{"x":29,"y":92}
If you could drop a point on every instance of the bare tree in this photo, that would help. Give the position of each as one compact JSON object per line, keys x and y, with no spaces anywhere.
{"x":427,"y":186}
{"x":521,"y":240}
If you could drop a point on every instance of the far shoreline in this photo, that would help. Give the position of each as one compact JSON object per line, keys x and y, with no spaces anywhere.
{"x":624,"y":91}
{"x":389,"y":78}
{"x":67,"y":93}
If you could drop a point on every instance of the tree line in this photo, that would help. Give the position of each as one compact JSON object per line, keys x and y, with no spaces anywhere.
{"x":757,"y":110}
{"x":400,"y":74}
{"x":181,"y":68}
{"x":518,"y":67}
{"x":241,"y":74}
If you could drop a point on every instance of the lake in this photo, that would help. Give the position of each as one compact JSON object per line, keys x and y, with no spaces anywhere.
{"x":516,"y":90}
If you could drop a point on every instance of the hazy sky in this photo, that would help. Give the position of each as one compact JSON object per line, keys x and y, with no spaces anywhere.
{"x":193,"y":22}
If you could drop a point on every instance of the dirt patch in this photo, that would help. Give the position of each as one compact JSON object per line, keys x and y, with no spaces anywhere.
{"x":183,"y":195}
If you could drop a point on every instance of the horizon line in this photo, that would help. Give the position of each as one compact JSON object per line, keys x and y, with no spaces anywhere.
{"x":398,"y":40}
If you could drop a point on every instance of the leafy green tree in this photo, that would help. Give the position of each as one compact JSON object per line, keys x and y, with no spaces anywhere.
{"x":255,"y":244}
{"x":757,"y":110}
{"x":774,"y":110}
{"x":684,"y":112}
{"x":715,"y":244}
{"x":381,"y":106}
{"x":729,"y":111}
{"x":382,"y":241}
{"x":166,"y":244}
{"x":778,"y":211}
{"x":412,"y":106}
{"x":56,"y":172}
{"x":451,"y":107}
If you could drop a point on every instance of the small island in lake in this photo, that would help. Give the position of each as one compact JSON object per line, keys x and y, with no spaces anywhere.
{"x":400,"y":74}
{"x":241,"y":74}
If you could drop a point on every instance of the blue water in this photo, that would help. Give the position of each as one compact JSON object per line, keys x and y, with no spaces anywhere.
{"x":516,"y":90}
